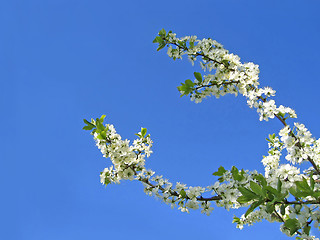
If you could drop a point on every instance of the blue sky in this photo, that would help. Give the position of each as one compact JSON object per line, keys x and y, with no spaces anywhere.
{"x":62,"y":61}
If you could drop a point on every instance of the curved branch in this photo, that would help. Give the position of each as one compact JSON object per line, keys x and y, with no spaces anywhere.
{"x":278,"y":116}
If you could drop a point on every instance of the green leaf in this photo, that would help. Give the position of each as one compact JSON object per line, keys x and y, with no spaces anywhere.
{"x":303,"y":185}
{"x":198,"y":76}
{"x":225,"y":62}
{"x":162,"y":32}
{"x":261,"y":179}
{"x":234,"y":169}
{"x":161,"y":45}
{"x":248,"y":193}
{"x":102,"y":118}
{"x":302,"y":194}
{"x":103,"y":134}
{"x":282,"y":209}
{"x":221,"y":179}
{"x":279,"y":185}
{"x":182,"y":44}
{"x":315,"y":194}
{"x":189,"y":83}
{"x":236,"y":175}
{"x":306,"y":230}
{"x":236,"y":219}
{"x":220,"y":172}
{"x":87,"y":122}
{"x":292,"y":225}
{"x":253,"y":206}
{"x":89,"y":127}
{"x":243,"y":199}
{"x":272,"y":190}
{"x":186,"y":87}
{"x":100,"y":137}
{"x":181,"y":89}
{"x":303,"y":189}
{"x":158,"y":39}
{"x":270,"y":207}
{"x":293,"y":191}
{"x":143,"y":131}
{"x":107,"y":180}
{"x":100,"y":126}
{"x":183,"y":193}
{"x":270,"y":195}
{"x":311,"y":182}
{"x":257,"y":189}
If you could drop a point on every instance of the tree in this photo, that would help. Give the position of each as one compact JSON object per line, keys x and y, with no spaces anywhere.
{"x":287,"y":192}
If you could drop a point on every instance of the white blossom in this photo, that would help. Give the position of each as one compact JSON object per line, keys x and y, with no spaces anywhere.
{"x":226,"y":74}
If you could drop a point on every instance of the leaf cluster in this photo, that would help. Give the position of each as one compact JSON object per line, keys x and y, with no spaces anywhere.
{"x":97,"y":127}
{"x":161,"y":39}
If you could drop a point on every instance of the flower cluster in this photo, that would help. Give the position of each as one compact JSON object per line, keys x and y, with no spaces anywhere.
{"x":128,"y":162}
{"x":284,"y":193}
{"x":231,"y":76}
{"x":127,"y":159}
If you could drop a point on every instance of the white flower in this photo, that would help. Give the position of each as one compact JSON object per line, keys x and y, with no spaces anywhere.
{"x":128,"y":174}
{"x":193,"y":204}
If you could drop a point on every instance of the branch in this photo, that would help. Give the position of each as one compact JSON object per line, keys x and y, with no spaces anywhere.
{"x":278,"y":116}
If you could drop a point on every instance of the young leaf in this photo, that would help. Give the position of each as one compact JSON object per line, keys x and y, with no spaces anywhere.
{"x":143,"y":131}
{"x":102,"y":118}
{"x":236,"y":220}
{"x":100,"y":137}
{"x":186,"y":87}
{"x":183,"y":193}
{"x":89,"y":127}
{"x":161,"y":45}
{"x":189,"y":83}
{"x":137,"y":134}
{"x":86,"y":121}
{"x":103,"y":134}
{"x":220,"y":172}
{"x":162,"y":32}
{"x":235,"y":174}
{"x":158,"y":39}
{"x":100,"y":126}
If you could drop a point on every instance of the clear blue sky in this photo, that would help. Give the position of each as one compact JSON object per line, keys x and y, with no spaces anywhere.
{"x":65,"y":60}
